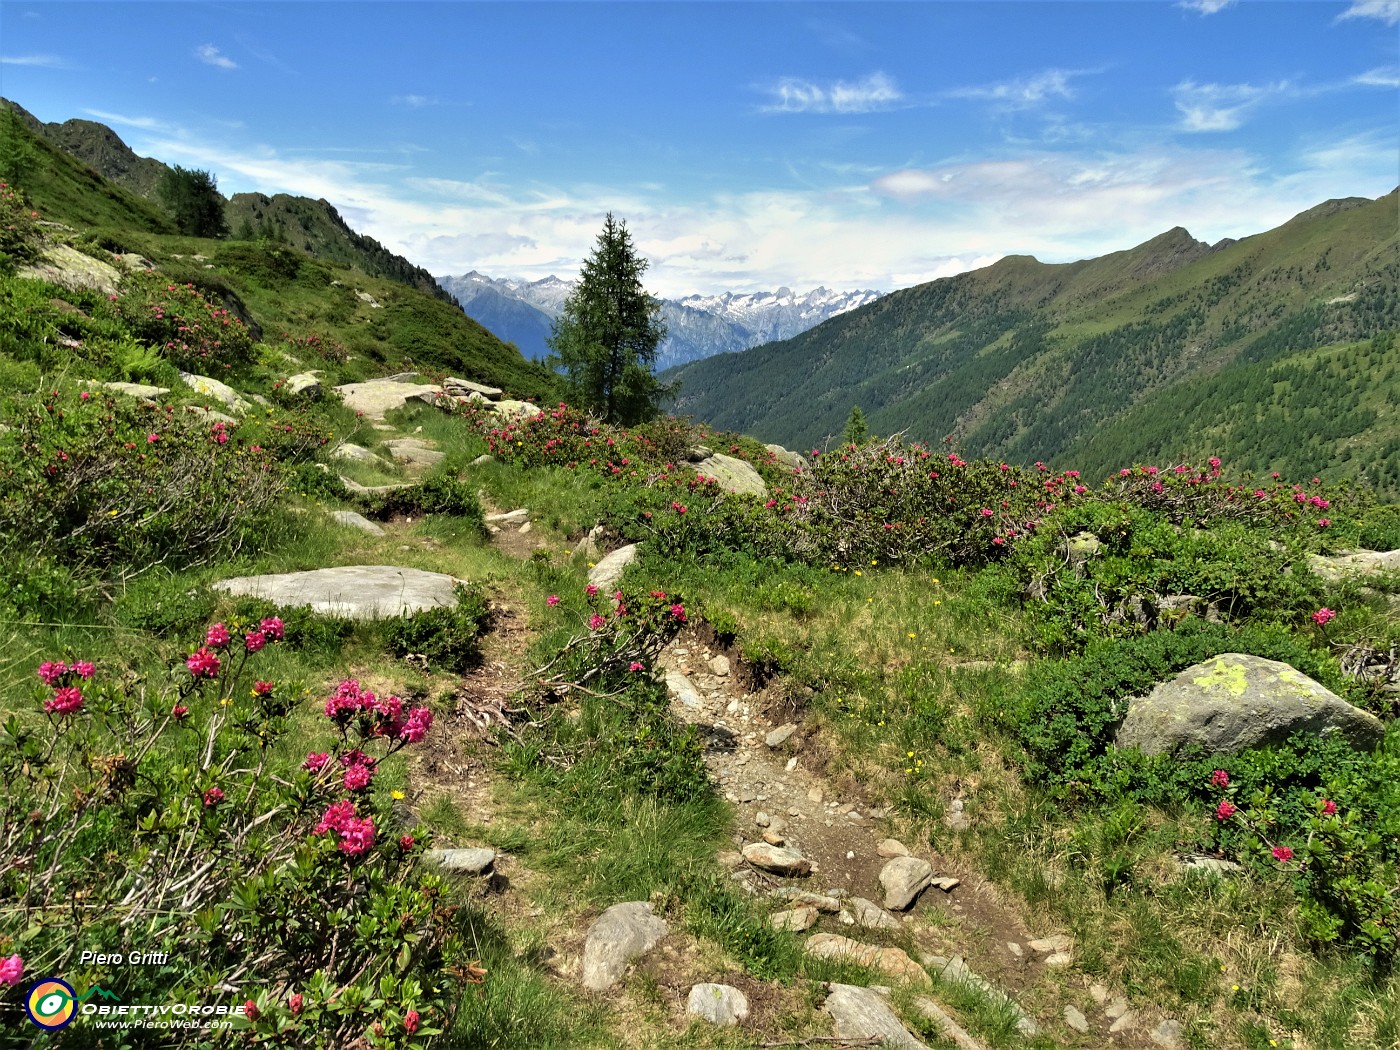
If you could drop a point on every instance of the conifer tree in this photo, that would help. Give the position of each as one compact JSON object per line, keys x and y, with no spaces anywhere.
{"x":605,"y":339}
{"x":193,"y":198}
{"x":856,"y":431}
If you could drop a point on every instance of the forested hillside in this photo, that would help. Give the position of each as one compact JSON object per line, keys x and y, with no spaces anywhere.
{"x":1277,"y":349}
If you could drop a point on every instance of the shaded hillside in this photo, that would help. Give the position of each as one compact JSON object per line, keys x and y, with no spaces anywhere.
{"x":100,"y":148}
{"x":1033,"y":361}
{"x":315,"y":227}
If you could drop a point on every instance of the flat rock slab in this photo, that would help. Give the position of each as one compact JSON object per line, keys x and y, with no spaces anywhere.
{"x":893,"y":961}
{"x":891,"y":848}
{"x":868,"y":915}
{"x":776,"y":859}
{"x":1237,"y":701}
{"x":863,"y":1013}
{"x":465,"y":387}
{"x":803,"y":917}
{"x":462,"y":861}
{"x":356,"y":521}
{"x":622,"y":933}
{"x":1336,"y":567}
{"x":414,"y":452}
{"x":354,"y":453}
{"x":681,"y":687}
{"x":515,"y":409}
{"x":800,"y":897}
{"x":355,"y":592}
{"x":70,"y":268}
{"x":607,"y":572}
{"x":140,"y":390}
{"x":779,"y":736}
{"x":720,"y":1004}
{"x":379,"y":396}
{"x":371,"y":490}
{"x":510,"y":516}
{"x":903,"y":879}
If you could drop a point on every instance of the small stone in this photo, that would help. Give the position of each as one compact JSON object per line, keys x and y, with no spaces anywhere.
{"x":1116,"y":1009}
{"x":1098,"y":993}
{"x":1127,"y":1021}
{"x":761,"y":819}
{"x":1076,"y":1020}
{"x":1059,"y":959}
{"x":779,"y":736}
{"x":773,"y":838}
{"x":791,"y":764}
{"x":850,"y":854}
{"x":620,"y":934}
{"x":719,"y":665}
{"x":822,"y":902}
{"x":892,"y":848}
{"x":719,"y":1004}
{"x":903,"y":879}
{"x":868,"y":914}
{"x":1058,"y":942}
{"x":525,"y":528}
{"x":793,"y":811}
{"x":777,"y":860}
{"x":795,"y":919}
{"x":947,"y":884}
{"x":729,"y":858}
{"x":814,"y":794}
{"x":1014,"y":949}
{"x":746,"y":795}
{"x":462,"y":861}
{"x":1169,"y":1034}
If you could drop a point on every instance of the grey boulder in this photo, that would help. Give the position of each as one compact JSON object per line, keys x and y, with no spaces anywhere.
{"x":607,"y":572}
{"x":720,"y":1004}
{"x":1236,"y":701}
{"x":903,"y":879}
{"x":621,"y":934}
{"x":732,"y":475}
{"x":355,"y":592}
{"x":863,"y":1013}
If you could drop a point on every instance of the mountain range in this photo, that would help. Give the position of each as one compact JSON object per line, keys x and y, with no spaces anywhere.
{"x":698,"y":326}
{"x":1279,"y":349}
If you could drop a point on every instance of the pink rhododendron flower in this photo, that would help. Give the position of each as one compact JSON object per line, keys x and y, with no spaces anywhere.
{"x":254,"y":641}
{"x":1225,"y":810}
{"x":83,"y":669}
{"x":294,"y":1003}
{"x":635,"y":665}
{"x":65,"y":701}
{"x":590,"y":590}
{"x":315,"y":760}
{"x":595,"y":621}
{"x":406,"y":843}
{"x":179,"y":711}
{"x":552,"y":600}
{"x":1328,"y":807}
{"x":357,"y":778}
{"x":272,"y":626}
{"x":52,"y":671}
{"x":262,"y":688}
{"x":1220,"y":778}
{"x":678,"y":611}
{"x":250,"y":1010}
{"x":202,"y":663}
{"x":217,"y":636}
{"x":410,"y":1021}
{"x":213,"y":796}
{"x":11,"y":970}
{"x":1283,"y":853}
{"x":1323,"y":617}
{"x":420,"y":720}
{"x":151,"y":439}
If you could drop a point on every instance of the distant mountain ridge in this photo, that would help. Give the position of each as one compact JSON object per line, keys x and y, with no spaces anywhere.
{"x":698,"y":326}
{"x":1282,"y":347}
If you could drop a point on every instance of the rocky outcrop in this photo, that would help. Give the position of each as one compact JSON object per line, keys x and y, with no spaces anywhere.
{"x":1351,"y":564}
{"x":70,"y":268}
{"x":791,"y":460}
{"x":864,"y":1014}
{"x":607,"y":572}
{"x":1237,"y":701}
{"x":221,"y":392}
{"x":355,"y":592}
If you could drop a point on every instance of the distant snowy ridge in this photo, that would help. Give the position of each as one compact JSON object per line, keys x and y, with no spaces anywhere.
{"x":698,"y":325}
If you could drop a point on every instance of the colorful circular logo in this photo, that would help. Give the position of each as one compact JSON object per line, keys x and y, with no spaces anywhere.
{"x":52,"y":1003}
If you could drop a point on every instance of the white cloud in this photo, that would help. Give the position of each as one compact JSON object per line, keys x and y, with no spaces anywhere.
{"x":1384,"y":77}
{"x":147,"y":123}
{"x":212,"y":56}
{"x":1205,"y":7}
{"x":1024,"y":91}
{"x":1387,"y":11}
{"x":41,"y":61}
{"x":794,"y":95}
{"x":415,"y":101}
{"x":1220,"y":107}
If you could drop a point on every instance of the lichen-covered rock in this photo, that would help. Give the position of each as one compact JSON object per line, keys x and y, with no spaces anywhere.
{"x":621,"y":934}
{"x":221,"y":392}
{"x":607,"y":572}
{"x":732,"y":475}
{"x":720,"y":1004}
{"x":1236,"y":701}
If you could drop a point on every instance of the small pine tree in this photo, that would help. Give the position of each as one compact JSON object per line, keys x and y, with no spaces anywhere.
{"x":193,"y":199}
{"x":856,"y":431}
{"x":606,"y":338}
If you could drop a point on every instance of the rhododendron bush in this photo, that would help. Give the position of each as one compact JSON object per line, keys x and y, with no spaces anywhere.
{"x":166,"y":809}
{"x":180,"y":323}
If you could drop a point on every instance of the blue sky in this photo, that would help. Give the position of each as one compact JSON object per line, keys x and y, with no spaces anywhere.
{"x":747,"y":145}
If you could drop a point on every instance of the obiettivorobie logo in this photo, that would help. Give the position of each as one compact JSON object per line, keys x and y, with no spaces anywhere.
{"x":52,"y":1004}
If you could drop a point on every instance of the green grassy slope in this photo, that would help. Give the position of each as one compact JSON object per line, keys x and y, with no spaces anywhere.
{"x":1034,"y":361}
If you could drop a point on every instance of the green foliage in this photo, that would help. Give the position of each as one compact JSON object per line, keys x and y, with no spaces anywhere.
{"x":17,"y":153}
{"x":110,"y":487}
{"x":605,"y":339}
{"x":211,"y":850}
{"x":446,"y":637}
{"x":192,"y":197}
{"x":183,"y":326}
{"x":439,"y":493}
{"x":856,"y":431}
{"x":20,"y":240}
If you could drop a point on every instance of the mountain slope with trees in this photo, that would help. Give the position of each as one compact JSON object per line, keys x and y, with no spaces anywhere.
{"x":1105,"y":361}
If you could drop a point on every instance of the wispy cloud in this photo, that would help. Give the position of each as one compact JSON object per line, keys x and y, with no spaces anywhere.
{"x":1024,"y":92}
{"x":1220,"y":107}
{"x":42,"y":61}
{"x":1205,"y":7}
{"x":1384,"y":77}
{"x":415,"y":101}
{"x":1387,"y":11}
{"x":794,"y":95}
{"x":212,"y":56}
{"x":146,"y":123}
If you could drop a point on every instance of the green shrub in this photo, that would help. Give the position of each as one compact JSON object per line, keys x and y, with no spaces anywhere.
{"x":179,"y":322}
{"x":20,"y":239}
{"x":439,"y":493}
{"x":448,"y":637}
{"x":165,"y":605}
